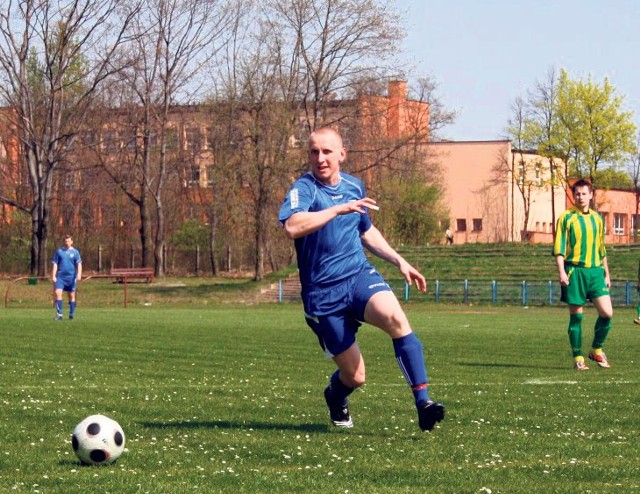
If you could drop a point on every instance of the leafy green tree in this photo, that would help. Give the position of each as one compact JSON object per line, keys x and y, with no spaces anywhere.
{"x":610,"y":178}
{"x":412,"y":211}
{"x":593,"y":127}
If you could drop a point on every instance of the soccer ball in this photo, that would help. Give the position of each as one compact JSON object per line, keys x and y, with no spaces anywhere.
{"x":98,"y":440}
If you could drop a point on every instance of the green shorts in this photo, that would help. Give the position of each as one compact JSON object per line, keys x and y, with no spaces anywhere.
{"x":584,"y":284}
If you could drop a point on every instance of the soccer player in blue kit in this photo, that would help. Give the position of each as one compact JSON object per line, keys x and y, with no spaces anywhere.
{"x":326,"y":214}
{"x":66,"y":271}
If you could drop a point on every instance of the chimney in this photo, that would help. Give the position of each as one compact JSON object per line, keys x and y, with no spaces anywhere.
{"x":397,"y":91}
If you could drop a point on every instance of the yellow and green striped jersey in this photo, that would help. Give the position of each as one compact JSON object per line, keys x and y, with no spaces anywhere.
{"x":580,"y":238}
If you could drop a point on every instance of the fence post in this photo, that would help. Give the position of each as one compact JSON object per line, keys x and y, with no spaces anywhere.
{"x":280,"y":290}
{"x":550,"y":292}
{"x":406,"y":291}
{"x":524,"y":292}
{"x":99,"y":258}
{"x":466,"y":291}
{"x":437,"y":290}
{"x":494,"y":291}
{"x":627,"y":292}
{"x":197,"y":260}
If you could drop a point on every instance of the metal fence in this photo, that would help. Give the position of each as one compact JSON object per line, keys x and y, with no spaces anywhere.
{"x":484,"y":292}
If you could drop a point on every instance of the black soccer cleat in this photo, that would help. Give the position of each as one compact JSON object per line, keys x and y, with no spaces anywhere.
{"x":339,"y":412}
{"x":429,"y":413}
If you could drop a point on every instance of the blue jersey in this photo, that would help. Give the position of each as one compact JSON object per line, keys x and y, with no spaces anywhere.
{"x":67,"y":261}
{"x":334,"y":252}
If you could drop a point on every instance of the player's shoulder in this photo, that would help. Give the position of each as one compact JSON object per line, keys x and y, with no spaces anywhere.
{"x":569,"y":212}
{"x":352,"y":181}
{"x":306,"y":181}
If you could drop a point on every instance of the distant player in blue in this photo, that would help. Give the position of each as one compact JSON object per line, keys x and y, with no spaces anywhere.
{"x":326,"y":213}
{"x":66,"y":272}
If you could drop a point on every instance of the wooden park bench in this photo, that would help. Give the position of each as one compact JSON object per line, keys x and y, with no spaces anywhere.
{"x":123,"y":275}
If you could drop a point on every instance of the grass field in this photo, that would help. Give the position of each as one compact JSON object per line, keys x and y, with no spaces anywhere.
{"x":229,"y":399}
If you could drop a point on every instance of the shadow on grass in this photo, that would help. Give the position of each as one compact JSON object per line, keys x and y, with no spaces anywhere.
{"x":225,"y":424}
{"x":509,"y":365}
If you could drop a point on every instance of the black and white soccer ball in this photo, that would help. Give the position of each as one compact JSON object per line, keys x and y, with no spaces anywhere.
{"x":98,"y":440}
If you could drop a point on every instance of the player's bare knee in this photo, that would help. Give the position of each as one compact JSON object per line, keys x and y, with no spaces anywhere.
{"x":354,"y":380}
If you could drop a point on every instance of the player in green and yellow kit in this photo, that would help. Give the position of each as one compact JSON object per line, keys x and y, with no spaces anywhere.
{"x":583,"y":270}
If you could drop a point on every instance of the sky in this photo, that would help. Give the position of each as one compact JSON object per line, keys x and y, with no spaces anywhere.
{"x":483,"y":54}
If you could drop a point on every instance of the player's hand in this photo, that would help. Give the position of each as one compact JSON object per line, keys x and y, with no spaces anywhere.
{"x":358,"y":206}
{"x":564,"y":279}
{"x":412,"y":275}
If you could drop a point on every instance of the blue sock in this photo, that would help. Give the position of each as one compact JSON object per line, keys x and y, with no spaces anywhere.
{"x":339,"y":391}
{"x":58,"y":306}
{"x":72,"y":309}
{"x":411,"y":362}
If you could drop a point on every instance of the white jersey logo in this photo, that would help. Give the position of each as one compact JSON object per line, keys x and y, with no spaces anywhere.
{"x":293,"y":197}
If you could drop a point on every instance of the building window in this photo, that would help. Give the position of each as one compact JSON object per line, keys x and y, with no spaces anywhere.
{"x":110,"y":141}
{"x":521,"y":173}
{"x":477,"y":224}
{"x":70,"y":181}
{"x":604,"y":221}
{"x":209,"y":171}
{"x":171,"y":138}
{"x":461,"y":225}
{"x":635,"y":224}
{"x":210,"y":137}
{"x":618,"y":224}
{"x":130,"y":139}
{"x":193,"y":138}
{"x":538,"y":174}
{"x":88,"y":139}
{"x":153,"y":139}
{"x":194,"y":176}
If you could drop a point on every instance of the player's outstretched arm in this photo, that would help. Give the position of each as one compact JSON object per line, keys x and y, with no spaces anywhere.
{"x":373,"y":240}
{"x":305,"y":222}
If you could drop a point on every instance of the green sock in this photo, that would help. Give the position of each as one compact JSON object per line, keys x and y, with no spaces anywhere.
{"x":602,"y":328}
{"x":638,"y":310}
{"x":575,"y":334}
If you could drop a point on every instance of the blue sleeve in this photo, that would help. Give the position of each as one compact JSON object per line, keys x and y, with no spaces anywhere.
{"x":298,"y":199}
{"x":56,"y":258}
{"x":365,"y":223}
{"x":79,"y":258}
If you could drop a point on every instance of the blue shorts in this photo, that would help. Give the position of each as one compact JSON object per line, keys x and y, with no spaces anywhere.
{"x":335,"y":313}
{"x":65,"y":284}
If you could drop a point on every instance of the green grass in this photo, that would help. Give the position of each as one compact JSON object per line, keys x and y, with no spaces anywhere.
{"x":229,"y":399}
{"x":505,"y":261}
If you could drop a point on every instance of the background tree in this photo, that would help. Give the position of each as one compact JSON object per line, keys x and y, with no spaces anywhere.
{"x":633,"y":168}
{"x":54,"y":56}
{"x":517,"y":166}
{"x":173,"y":42}
{"x":542,"y":131}
{"x":295,"y":58}
{"x":594,"y":129}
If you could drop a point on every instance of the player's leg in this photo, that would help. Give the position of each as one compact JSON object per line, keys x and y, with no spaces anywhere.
{"x":575,"y":336}
{"x":336,"y":335}
{"x":72,"y":304}
{"x":384,"y":311}
{"x":57,"y":302}
{"x":575,"y":294}
{"x":601,"y":331}
{"x":637,"y":319}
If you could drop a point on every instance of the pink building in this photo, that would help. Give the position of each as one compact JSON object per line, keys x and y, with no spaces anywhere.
{"x":487,"y":185}
{"x":498,"y":194}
